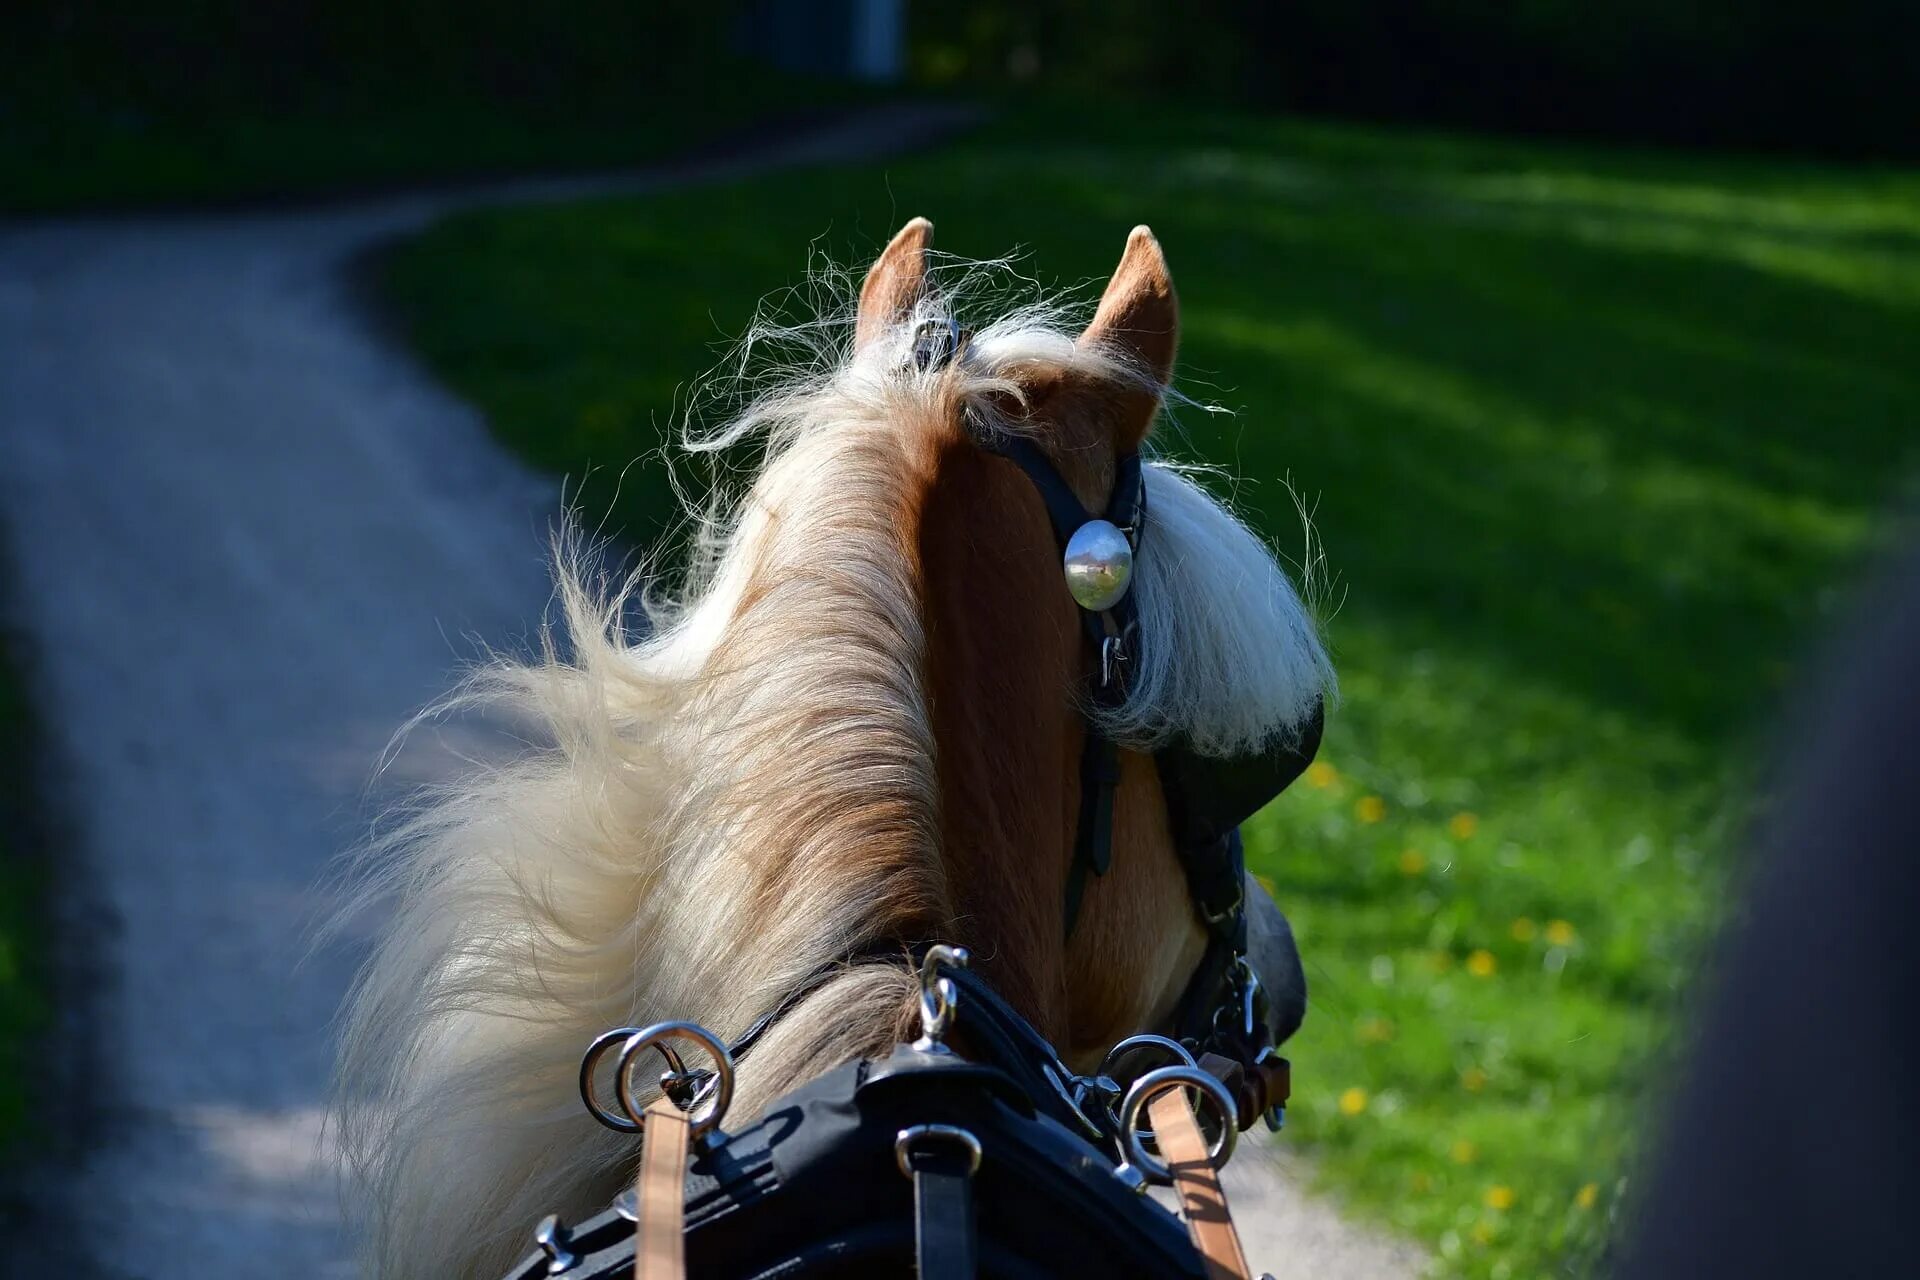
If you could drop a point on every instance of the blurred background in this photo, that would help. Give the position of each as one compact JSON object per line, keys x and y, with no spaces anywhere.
{"x":1585,"y":334}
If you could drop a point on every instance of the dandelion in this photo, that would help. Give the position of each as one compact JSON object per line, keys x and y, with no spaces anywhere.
{"x":1421,"y":1183}
{"x":1482,"y":1232}
{"x":1321,"y":775}
{"x":1587,"y":1196}
{"x":1370,"y":809}
{"x":1473,"y":1079}
{"x":1463,"y":825}
{"x":1412,"y":862}
{"x":1499,"y":1198}
{"x":1481,"y":964}
{"x":1463,"y":1152}
{"x":1440,"y":960}
{"x":1560,"y":933}
{"x":1524,"y":930}
{"x":1353,"y":1101}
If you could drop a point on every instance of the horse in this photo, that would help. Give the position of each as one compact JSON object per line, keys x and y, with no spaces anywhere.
{"x":860,"y":722}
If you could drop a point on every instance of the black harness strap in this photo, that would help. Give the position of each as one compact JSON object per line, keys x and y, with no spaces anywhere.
{"x":943,"y":1236}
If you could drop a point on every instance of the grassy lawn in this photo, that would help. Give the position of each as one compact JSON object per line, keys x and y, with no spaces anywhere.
{"x":1591,"y":439}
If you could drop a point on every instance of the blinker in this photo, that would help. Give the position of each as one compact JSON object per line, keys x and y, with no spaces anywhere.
{"x":1099,"y":565}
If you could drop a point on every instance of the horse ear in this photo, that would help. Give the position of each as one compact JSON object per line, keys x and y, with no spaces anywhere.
{"x":1139,"y":320}
{"x":894,"y":284}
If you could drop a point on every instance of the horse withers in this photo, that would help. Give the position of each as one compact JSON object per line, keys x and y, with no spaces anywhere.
{"x":878,"y":716}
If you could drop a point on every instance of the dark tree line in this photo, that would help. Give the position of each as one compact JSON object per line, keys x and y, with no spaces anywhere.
{"x":1839,"y":78}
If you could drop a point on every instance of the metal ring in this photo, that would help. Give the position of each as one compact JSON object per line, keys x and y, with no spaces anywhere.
{"x":941,"y":954}
{"x":1180,"y":1054}
{"x":590,"y":1065}
{"x":938,"y":996}
{"x":1152,"y":1085}
{"x":904,"y":1140}
{"x":703,"y":1119}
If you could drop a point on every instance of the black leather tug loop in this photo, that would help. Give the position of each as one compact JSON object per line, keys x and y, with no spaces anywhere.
{"x":943,"y":1236}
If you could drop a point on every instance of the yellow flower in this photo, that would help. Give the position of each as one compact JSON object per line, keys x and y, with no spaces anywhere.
{"x":1482,"y":1232}
{"x":1524,"y":930}
{"x":1463,"y":825}
{"x":1463,"y":1152}
{"x":1473,"y":1079}
{"x":1370,"y":809}
{"x":1587,"y":1196}
{"x":1322,"y":775}
{"x":1481,"y":964}
{"x":1353,"y":1101}
{"x":1374,"y":1030}
{"x":1560,"y":933}
{"x":1420,"y":1182}
{"x":1440,"y":960}
{"x":1412,"y":862}
{"x":1500,"y":1198}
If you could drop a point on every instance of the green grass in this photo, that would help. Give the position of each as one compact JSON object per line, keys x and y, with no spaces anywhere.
{"x":1590,"y":437}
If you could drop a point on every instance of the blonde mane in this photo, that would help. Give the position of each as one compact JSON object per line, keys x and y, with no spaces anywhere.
{"x":710,"y":812}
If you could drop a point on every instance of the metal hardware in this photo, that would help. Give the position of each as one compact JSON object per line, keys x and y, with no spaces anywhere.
{"x":602,"y":1045}
{"x":1113,"y":656}
{"x":708,"y":1107}
{"x":1173,"y":1049}
{"x":1151,"y":1086}
{"x":1098,"y":563}
{"x":904,"y":1141}
{"x":935,"y":342}
{"x":553,"y":1238}
{"x":938,"y":996}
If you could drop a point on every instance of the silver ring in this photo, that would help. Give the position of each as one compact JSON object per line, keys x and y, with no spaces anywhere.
{"x":938,"y":995}
{"x":1174,"y":1050}
{"x":590,"y":1065}
{"x":1152,"y":1085}
{"x":703,"y":1118}
{"x":904,"y":1140}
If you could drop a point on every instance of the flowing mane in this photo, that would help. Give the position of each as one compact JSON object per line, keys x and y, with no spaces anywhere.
{"x":714,"y":809}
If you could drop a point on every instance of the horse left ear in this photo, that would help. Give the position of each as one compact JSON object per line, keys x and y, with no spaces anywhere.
{"x":1139,"y":320}
{"x":894,"y":284}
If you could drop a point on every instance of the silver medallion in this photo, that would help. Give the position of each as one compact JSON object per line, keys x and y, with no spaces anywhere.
{"x":1099,"y":565}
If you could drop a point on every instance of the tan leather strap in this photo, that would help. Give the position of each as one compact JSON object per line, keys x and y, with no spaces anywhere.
{"x":1202,"y":1201}
{"x":660,"y":1252}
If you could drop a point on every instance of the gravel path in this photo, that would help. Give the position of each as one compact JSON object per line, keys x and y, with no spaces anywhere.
{"x":246,"y":540}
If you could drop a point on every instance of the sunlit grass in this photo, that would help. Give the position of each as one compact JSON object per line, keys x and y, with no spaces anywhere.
{"x":1590,"y":439}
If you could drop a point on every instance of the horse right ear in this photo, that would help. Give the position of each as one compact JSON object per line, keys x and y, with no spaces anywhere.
{"x":895,"y":283}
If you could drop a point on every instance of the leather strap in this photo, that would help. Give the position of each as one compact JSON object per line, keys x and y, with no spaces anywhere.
{"x":660,"y":1250}
{"x":1202,"y":1201}
{"x":943,"y":1246}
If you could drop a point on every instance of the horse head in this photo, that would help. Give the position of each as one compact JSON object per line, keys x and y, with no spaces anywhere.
{"x":876,"y":716}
